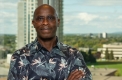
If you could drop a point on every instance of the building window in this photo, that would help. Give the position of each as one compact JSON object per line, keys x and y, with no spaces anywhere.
{"x":24,"y":12}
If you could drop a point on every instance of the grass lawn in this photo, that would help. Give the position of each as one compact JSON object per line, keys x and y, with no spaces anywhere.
{"x":108,"y":64}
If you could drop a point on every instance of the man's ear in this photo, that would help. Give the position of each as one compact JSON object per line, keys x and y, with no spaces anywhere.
{"x":33,"y":22}
{"x":58,"y":22}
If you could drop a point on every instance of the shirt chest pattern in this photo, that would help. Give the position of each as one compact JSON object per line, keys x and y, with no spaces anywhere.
{"x":47,"y":65}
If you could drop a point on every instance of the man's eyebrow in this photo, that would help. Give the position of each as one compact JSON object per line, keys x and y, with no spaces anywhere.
{"x":39,"y":16}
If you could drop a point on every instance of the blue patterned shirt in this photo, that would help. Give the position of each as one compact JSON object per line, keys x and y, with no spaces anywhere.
{"x":34,"y":62}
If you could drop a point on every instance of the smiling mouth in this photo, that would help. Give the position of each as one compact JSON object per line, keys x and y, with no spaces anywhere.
{"x":45,"y":29}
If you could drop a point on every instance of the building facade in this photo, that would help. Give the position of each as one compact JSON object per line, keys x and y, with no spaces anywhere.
{"x":104,"y":35}
{"x":26,"y":31}
{"x":115,"y":47}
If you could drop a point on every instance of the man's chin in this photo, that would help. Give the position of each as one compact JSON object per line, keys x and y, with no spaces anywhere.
{"x":45,"y":38}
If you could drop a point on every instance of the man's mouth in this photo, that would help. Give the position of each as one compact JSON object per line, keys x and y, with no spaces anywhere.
{"x":45,"y":29}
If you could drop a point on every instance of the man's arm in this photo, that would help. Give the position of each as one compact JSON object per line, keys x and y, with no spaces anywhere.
{"x":17,"y":70}
{"x":76,"y":75}
{"x":78,"y":69}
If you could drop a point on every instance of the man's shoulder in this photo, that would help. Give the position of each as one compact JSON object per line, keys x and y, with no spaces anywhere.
{"x":69,"y":50}
{"x":25,"y":49}
{"x":65,"y":46}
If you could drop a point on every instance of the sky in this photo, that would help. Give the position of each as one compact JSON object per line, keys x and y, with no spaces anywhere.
{"x":92,"y":16}
{"x":80,"y":16}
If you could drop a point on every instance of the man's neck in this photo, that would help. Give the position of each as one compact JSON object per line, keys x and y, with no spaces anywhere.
{"x":48,"y":43}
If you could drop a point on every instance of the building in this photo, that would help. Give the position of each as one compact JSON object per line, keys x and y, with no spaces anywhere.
{"x":115,"y":47}
{"x":26,"y":31}
{"x":100,"y":35}
{"x":104,"y":35}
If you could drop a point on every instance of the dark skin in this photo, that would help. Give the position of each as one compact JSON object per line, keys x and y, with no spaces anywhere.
{"x":76,"y":75}
{"x":45,"y":22}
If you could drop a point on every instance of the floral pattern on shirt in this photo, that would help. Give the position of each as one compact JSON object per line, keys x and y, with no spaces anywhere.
{"x":34,"y":62}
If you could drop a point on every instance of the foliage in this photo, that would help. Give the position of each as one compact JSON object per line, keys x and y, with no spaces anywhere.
{"x":89,"y":42}
{"x":85,"y":56}
{"x":117,"y":73}
{"x":3,"y":54}
{"x":88,"y":57}
{"x":111,"y":56}
{"x":106,"y":54}
{"x":91,"y":58}
{"x":8,"y":43}
{"x":84,"y":41}
{"x":1,"y":39}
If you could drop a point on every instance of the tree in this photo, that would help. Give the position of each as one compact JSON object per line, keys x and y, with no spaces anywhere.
{"x":85,"y":56}
{"x":91,"y":58}
{"x":111,"y":56}
{"x":106,"y":54}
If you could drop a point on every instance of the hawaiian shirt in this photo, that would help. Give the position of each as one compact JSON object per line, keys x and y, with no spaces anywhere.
{"x":34,"y":62}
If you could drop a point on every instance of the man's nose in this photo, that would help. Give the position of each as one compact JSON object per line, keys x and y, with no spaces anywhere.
{"x":45,"y":21}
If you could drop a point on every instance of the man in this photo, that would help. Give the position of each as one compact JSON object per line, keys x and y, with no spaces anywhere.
{"x":46,"y":58}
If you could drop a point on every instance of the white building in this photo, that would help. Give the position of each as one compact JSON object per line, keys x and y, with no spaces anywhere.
{"x":116,"y":48}
{"x":26,"y":31}
{"x":104,"y":35}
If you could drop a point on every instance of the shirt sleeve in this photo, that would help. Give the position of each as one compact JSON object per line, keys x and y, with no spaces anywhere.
{"x":79,"y":63}
{"x":17,"y":70}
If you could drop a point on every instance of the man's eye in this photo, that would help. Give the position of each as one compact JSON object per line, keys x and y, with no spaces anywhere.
{"x":51,"y":17}
{"x":40,"y":18}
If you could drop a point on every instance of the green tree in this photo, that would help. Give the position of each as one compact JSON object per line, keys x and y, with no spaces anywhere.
{"x":85,"y":56}
{"x":91,"y":58}
{"x":106,"y":54}
{"x":111,"y":56}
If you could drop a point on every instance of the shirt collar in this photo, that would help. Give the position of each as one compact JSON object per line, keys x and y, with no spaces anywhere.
{"x":39,"y":46}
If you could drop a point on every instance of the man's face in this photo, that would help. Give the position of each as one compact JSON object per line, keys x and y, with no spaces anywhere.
{"x":45,"y":22}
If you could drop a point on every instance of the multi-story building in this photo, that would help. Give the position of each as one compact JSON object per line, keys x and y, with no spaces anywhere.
{"x":26,"y":31}
{"x":100,"y":35}
{"x":104,"y":35}
{"x":115,"y":47}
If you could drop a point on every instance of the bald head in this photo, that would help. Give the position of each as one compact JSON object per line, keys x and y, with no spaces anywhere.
{"x":44,"y":7}
{"x":45,"y":22}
